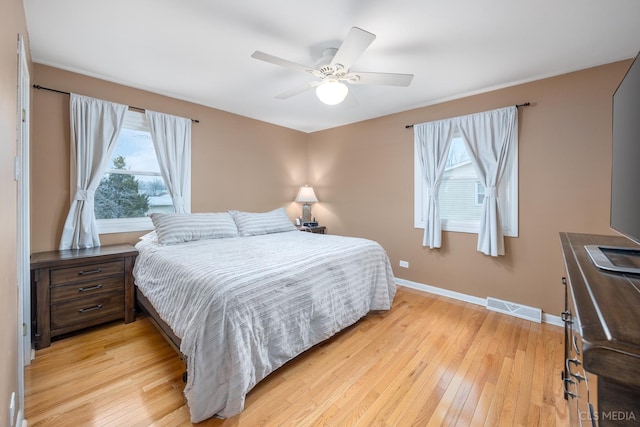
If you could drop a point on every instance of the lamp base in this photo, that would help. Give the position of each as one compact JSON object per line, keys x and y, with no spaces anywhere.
{"x":306,"y":212}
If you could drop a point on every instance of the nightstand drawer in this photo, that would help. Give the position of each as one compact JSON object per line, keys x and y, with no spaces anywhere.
{"x":86,"y":272}
{"x":88,"y":288}
{"x":88,"y":311}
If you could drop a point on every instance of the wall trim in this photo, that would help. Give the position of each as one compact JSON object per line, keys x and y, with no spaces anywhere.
{"x":440,"y":291}
{"x":552,"y":319}
{"x":546,"y":318}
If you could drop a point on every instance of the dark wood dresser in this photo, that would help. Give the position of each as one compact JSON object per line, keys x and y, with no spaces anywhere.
{"x":77,"y":288}
{"x":601,"y":377}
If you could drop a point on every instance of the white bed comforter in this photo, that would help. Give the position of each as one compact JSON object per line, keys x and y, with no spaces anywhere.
{"x":244,"y":306}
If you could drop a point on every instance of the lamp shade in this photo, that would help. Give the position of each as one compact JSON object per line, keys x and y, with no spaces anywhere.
{"x":332,"y":92}
{"x":306,"y":195}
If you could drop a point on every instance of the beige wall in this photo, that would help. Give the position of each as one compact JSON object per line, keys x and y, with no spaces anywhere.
{"x":12,"y":22}
{"x":363,"y":176}
{"x":237,"y":163}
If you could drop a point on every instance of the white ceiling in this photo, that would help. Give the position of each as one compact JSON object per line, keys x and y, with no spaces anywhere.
{"x":200,"y":50}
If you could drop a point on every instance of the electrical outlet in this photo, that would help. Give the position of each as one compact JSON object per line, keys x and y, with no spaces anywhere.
{"x":12,"y":409}
{"x":404,"y":264}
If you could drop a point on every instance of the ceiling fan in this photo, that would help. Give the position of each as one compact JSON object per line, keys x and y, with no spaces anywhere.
{"x":333,"y":69}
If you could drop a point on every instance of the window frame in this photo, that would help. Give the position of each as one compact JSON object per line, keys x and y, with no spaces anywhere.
{"x":508,"y":193}
{"x":134,"y":120}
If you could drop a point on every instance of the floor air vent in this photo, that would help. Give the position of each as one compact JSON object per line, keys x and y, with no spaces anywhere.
{"x":513,"y":309}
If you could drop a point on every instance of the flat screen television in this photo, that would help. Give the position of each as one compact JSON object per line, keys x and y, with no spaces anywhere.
{"x":625,"y":175}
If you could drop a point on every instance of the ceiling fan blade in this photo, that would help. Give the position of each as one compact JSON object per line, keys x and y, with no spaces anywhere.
{"x":352,"y":47}
{"x":297,"y":91}
{"x":282,"y":62}
{"x":383,"y":79}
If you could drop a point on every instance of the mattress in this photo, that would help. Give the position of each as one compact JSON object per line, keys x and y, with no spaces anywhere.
{"x":244,"y":306}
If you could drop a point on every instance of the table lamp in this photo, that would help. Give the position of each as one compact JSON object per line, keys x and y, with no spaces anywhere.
{"x":306,"y":196}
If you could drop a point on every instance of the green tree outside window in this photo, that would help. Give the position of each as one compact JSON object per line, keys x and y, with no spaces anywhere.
{"x":118,"y":195}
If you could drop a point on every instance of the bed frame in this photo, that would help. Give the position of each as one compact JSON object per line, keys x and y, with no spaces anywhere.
{"x":145,"y":306}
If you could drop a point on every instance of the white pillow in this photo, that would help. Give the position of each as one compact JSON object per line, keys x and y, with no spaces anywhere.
{"x":177,"y":228}
{"x":149,"y":236}
{"x":254,"y":224}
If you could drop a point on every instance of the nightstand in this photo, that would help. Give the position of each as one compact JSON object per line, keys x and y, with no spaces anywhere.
{"x":321,"y":229}
{"x":77,"y":288}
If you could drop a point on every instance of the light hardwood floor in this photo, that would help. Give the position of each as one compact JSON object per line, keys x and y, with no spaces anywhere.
{"x":429,"y":361}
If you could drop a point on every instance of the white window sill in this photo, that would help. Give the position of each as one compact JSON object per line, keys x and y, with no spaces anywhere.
{"x":468,"y":227}
{"x":124,"y":225}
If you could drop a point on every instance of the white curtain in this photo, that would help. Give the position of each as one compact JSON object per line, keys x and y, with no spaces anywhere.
{"x":172,"y":140}
{"x":95,"y":125}
{"x":489,"y":137}
{"x":432,"y":141}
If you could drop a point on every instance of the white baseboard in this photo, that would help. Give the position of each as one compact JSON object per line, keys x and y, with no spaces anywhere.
{"x":552,"y":319}
{"x":444,"y":292}
{"x":546,"y":318}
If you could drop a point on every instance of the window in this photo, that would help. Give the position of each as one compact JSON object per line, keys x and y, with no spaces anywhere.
{"x":132,"y":186}
{"x":461,"y":193}
{"x":479,"y":193}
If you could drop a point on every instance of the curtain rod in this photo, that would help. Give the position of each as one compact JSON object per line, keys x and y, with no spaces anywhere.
{"x":67,"y":93}
{"x":526,"y":104}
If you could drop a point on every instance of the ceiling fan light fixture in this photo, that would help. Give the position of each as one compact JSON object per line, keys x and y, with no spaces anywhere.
{"x":332,"y":92}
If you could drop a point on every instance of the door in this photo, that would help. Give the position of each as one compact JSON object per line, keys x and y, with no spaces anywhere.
{"x":23,"y":247}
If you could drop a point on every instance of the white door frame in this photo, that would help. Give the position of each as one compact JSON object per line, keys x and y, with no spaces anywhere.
{"x":23,"y":216}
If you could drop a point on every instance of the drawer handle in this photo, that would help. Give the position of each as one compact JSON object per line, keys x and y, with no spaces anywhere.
{"x":566,"y":381}
{"x":575,"y":345}
{"x":578,"y":377}
{"x":92,"y":288}
{"x":95,"y":307}
{"x":84,"y":273}
{"x":574,"y":361}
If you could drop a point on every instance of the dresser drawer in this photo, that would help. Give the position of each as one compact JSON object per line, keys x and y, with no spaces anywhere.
{"x":89,"y":288}
{"x":84,"y":312}
{"x":86,"y":272}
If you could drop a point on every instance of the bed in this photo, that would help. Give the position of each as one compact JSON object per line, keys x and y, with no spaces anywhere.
{"x":242,"y":305}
